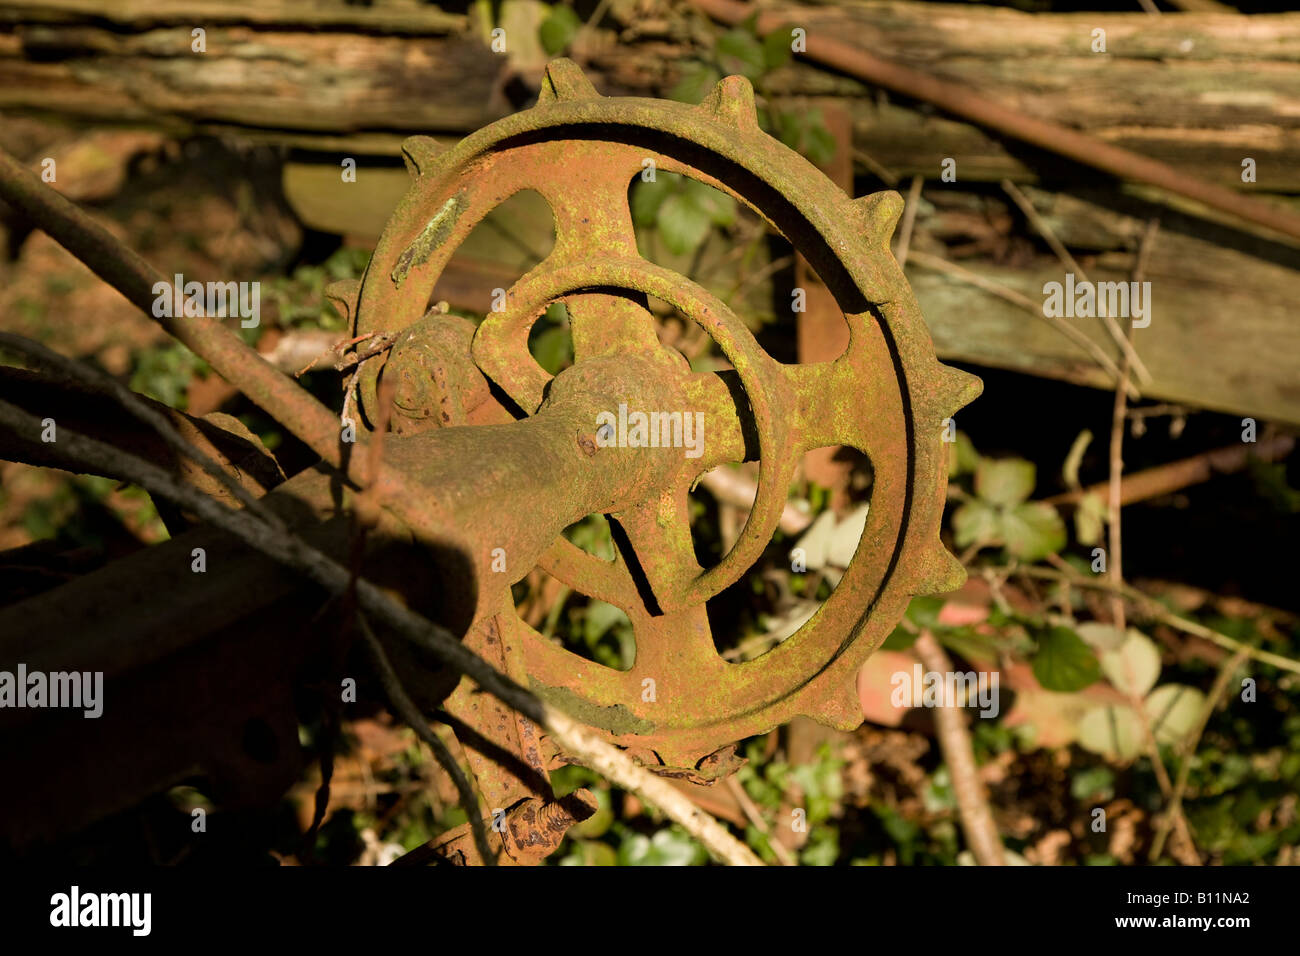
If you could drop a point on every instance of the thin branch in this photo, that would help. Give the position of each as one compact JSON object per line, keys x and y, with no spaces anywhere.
{"x":407,"y":710}
{"x":1062,"y":253}
{"x":1115,"y":565}
{"x":959,"y":754}
{"x":909,"y":220}
{"x":747,"y":282}
{"x":1176,"y":475}
{"x":131,"y":402}
{"x":1175,"y":809}
{"x":755,"y":816}
{"x":1116,"y":574}
{"x":1154,"y":609}
{"x":881,"y":171}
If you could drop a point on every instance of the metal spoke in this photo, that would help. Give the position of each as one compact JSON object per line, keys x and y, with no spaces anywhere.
{"x":659,"y":533}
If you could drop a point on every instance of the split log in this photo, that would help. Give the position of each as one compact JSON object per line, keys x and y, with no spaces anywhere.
{"x":1222,"y":336}
{"x":1199,"y":91}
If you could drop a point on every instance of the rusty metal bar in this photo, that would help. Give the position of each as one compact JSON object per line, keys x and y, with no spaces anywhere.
{"x":91,"y":411}
{"x":128,"y":273}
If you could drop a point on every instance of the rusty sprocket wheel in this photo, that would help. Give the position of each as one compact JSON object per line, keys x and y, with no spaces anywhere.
{"x":886,"y":395}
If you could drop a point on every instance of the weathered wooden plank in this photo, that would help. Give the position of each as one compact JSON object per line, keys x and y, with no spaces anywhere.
{"x":1199,"y":91}
{"x":384,"y":15}
{"x":1223,"y":333}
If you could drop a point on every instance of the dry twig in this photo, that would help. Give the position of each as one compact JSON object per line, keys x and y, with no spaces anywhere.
{"x":909,"y":220}
{"x":755,"y":817}
{"x":1175,"y":808}
{"x":407,"y":710}
{"x":1062,"y":253}
{"x":959,"y":754}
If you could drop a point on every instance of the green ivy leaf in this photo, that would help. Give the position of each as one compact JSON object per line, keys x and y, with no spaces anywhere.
{"x":669,"y":847}
{"x":962,"y":456}
{"x":1270,"y":480}
{"x":599,"y":822}
{"x":558,"y":30}
{"x":1089,"y":519}
{"x":682,"y":224}
{"x":1064,"y":662}
{"x":695,"y":82}
{"x":1174,"y":710}
{"x":1134,"y":666}
{"x":740,"y":51}
{"x":822,"y":848}
{"x":975,"y":522}
{"x":818,"y":143}
{"x":1033,"y":530}
{"x":1114,"y":731}
{"x":899,"y":639}
{"x":923,"y":610}
{"x":720,"y":207}
{"x":647,"y":197}
{"x":553,"y":349}
{"x":1093,"y":782}
{"x":1005,"y":481}
{"x":777,"y":49}
{"x":789,"y":127}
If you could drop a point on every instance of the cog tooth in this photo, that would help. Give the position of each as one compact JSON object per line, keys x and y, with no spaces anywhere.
{"x":941,"y":572}
{"x":420,"y":153}
{"x":841,"y":710}
{"x":879,"y":214}
{"x":732,"y":101}
{"x":564,"y":80}
{"x":957,"y":389}
{"x":344,"y":294}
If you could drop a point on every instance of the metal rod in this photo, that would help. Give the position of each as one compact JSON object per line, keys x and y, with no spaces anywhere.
{"x":128,"y":273}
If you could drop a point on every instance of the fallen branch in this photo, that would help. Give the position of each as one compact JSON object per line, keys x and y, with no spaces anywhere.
{"x":959,"y":754}
{"x":407,"y":710}
{"x":1166,"y":479}
{"x":133,"y":404}
{"x":909,"y":220}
